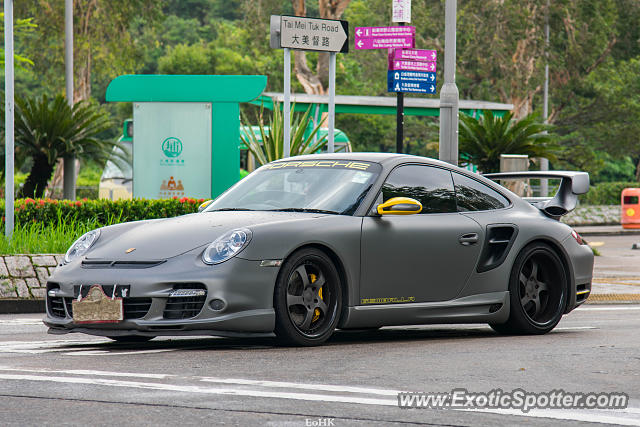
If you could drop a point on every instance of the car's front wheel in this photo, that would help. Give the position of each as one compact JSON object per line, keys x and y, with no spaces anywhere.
{"x":538,"y":292}
{"x":307,"y":298}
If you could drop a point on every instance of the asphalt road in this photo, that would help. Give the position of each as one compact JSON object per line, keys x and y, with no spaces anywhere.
{"x":353,"y":380}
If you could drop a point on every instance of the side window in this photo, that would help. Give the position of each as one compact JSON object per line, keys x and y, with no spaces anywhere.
{"x":430,"y":186}
{"x":472,"y":195}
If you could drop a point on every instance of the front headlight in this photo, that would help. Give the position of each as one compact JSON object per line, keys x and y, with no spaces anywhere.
{"x":82,"y":245}
{"x":226,"y":246}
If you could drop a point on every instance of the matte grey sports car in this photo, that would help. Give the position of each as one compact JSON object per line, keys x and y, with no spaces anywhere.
{"x":305,"y":245}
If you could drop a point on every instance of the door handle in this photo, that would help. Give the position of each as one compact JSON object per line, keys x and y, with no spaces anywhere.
{"x":468,"y":239}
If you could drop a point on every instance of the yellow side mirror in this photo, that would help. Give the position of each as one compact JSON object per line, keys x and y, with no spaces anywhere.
{"x":204,"y":205}
{"x":400,"y":206}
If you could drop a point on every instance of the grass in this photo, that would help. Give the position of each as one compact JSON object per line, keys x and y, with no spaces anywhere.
{"x":38,"y":238}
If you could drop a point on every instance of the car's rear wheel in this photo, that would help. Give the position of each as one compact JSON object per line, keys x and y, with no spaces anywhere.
{"x":538,"y":292}
{"x":307,"y":298}
{"x":131,"y":338}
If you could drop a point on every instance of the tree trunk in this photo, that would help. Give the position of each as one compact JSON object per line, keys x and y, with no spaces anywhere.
{"x":39,"y":174}
{"x":316,"y":84}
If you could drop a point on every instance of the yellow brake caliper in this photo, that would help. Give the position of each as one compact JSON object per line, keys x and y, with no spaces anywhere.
{"x":316,"y":312}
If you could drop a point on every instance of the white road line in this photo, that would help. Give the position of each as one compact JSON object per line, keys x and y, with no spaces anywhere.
{"x":88,"y":372}
{"x":610,"y":308}
{"x":22,"y":322}
{"x":321,"y":387}
{"x":197,"y":389}
{"x":589,"y":416}
{"x":260,"y":389}
{"x":574,"y":328}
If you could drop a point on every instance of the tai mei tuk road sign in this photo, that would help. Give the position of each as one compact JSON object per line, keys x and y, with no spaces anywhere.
{"x":324,"y":35}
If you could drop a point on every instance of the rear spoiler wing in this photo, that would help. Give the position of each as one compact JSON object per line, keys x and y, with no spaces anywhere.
{"x":571,"y":185}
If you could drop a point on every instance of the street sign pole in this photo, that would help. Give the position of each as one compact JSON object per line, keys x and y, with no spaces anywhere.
{"x":449,"y":97}
{"x":286,"y":110}
{"x":302,"y":33}
{"x":332,"y":101}
{"x":69,"y":165}
{"x":544,"y":162}
{"x":9,"y":116}
{"x":400,"y":119}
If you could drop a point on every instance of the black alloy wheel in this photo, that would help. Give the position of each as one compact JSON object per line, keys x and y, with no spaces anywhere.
{"x":307,"y":298}
{"x":538,"y":291}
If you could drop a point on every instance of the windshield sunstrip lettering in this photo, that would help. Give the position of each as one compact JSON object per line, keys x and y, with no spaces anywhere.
{"x":320,"y":164}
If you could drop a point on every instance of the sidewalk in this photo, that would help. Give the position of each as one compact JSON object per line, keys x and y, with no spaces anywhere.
{"x":606,"y":230}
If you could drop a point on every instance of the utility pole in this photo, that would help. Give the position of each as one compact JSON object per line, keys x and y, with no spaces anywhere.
{"x":400,"y":119}
{"x":449,"y":95}
{"x":69,"y":186}
{"x":544,"y":162}
{"x":9,"y":117}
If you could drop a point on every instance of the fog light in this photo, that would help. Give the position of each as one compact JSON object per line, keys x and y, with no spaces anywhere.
{"x":217,"y":304}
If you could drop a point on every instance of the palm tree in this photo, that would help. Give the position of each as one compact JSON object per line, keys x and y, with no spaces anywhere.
{"x":484,"y":139}
{"x":269,"y":145}
{"x":46,"y":130}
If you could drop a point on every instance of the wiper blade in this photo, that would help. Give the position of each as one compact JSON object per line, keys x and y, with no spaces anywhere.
{"x":305,"y":210}
{"x":231,"y":209}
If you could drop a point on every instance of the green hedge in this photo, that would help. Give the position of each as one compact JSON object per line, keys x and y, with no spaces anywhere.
{"x":99,"y":212}
{"x":606,"y":193}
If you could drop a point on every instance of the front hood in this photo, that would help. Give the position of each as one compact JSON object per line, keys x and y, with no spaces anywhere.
{"x":166,"y":238}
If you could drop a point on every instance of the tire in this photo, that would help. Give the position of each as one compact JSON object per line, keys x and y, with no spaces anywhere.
{"x":538,"y":290}
{"x":131,"y":338}
{"x":307,"y":299}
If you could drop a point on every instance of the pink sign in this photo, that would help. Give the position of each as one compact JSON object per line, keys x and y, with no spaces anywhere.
{"x":397,"y":41}
{"x":415,"y":54}
{"x":412,"y":65}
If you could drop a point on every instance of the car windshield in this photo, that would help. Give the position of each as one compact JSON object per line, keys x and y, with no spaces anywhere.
{"x":327,"y":186}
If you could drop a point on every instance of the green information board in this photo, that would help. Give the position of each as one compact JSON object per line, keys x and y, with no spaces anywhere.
{"x":167,"y":154}
{"x":222,"y":93}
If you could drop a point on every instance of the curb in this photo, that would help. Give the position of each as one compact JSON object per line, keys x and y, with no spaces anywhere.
{"x":22,"y":306}
{"x":609,"y":233}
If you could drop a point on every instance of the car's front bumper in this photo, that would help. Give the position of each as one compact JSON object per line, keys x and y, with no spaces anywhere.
{"x":244,"y":286}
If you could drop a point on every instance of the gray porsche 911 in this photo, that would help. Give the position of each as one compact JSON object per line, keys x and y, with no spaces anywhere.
{"x":305,"y":245}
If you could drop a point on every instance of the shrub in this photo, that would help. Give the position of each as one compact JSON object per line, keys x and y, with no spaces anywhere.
{"x":606,"y":193}
{"x":99,"y":212}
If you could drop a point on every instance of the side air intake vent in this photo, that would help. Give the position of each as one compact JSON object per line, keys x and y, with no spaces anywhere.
{"x":500,"y":238}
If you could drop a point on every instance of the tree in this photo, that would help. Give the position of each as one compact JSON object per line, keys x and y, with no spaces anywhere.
{"x":268,"y":145}
{"x":21,"y":26}
{"x":484,"y":139}
{"x":103,"y":46}
{"x":187,"y":59}
{"x":46,"y":130}
{"x":316,"y":83}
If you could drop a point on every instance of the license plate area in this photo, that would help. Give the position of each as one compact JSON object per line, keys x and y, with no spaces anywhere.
{"x":94,"y":306}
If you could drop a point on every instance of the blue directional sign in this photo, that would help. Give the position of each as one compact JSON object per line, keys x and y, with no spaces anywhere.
{"x":411,"y":81}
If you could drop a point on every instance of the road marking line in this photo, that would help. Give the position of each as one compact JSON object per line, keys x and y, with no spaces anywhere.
{"x":198,"y":389}
{"x":22,"y":322}
{"x":116,"y":353}
{"x":620,"y":417}
{"x":574,"y":328}
{"x":87,"y":372}
{"x":591,"y":415}
{"x":613,"y":308}
{"x":322,"y":387}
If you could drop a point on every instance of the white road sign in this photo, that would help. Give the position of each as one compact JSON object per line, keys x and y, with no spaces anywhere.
{"x":325,"y":35}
